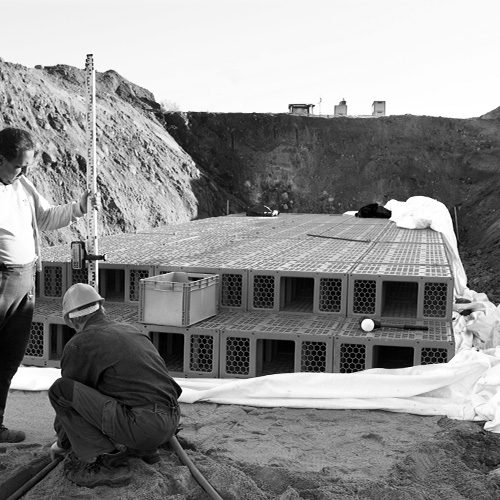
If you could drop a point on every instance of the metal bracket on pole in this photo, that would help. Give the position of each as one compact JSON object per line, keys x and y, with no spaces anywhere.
{"x":79,"y":256}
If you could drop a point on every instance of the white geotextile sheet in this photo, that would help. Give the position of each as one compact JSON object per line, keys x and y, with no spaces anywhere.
{"x":419,"y":212}
{"x":466,"y":388}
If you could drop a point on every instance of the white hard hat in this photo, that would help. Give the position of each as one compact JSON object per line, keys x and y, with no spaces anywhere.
{"x":78,"y":296}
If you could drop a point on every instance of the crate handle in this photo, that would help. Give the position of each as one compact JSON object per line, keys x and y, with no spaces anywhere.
{"x":162,"y":286}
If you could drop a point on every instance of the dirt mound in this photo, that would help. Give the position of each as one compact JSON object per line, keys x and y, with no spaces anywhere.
{"x":144,"y":177}
{"x":492,"y":115}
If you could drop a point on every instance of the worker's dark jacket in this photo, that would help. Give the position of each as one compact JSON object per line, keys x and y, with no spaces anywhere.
{"x":119,"y":361}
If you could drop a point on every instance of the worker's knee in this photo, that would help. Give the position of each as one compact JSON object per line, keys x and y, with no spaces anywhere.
{"x":62,"y":388}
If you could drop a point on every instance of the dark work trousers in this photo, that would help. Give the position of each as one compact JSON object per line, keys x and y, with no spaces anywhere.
{"x":17,"y":302}
{"x":91,"y":423}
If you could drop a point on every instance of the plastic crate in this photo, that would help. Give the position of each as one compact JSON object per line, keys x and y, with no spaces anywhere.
{"x":178,"y":299}
{"x":233,"y":284}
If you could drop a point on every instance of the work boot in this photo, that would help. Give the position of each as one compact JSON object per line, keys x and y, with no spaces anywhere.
{"x":109,"y":469}
{"x":115,"y":458}
{"x":150,"y":457}
{"x":8,"y":436}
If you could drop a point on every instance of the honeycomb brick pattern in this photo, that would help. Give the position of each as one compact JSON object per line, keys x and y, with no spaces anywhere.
{"x":263,"y":294}
{"x":364,"y":296}
{"x":35,"y":344}
{"x":313,"y":357}
{"x":53,"y":281}
{"x":135,"y":276}
{"x":432,"y":355}
{"x":435,"y":300}
{"x":79,"y":276}
{"x":352,"y":358}
{"x":201,"y":353}
{"x":330,"y":294}
{"x":231,"y":290}
{"x":237,"y":356}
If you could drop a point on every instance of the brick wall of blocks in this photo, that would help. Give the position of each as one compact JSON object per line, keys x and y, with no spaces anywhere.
{"x":291,"y":292}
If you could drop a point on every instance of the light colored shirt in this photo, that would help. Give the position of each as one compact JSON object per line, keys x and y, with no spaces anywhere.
{"x":17,"y":238}
{"x":19,"y":230}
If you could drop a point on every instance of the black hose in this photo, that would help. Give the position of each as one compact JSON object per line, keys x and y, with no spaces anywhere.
{"x":35,"y":479}
{"x":194,"y":471}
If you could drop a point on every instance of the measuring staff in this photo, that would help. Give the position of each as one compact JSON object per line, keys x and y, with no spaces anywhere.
{"x":79,"y":252}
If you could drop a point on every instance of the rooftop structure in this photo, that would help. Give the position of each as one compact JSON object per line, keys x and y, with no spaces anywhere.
{"x":378,"y":108}
{"x":341,"y":108}
{"x":301,"y":109}
{"x":290,"y":293}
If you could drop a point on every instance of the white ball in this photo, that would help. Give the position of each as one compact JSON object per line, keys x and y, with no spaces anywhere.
{"x":367,"y":325}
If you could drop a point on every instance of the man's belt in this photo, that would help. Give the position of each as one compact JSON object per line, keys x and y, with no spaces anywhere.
{"x":5,"y":267}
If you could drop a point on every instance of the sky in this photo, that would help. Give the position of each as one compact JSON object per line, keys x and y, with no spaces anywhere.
{"x":422,"y":57}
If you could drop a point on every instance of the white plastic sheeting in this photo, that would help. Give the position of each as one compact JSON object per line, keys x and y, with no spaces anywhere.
{"x":466,"y":388}
{"x":420,"y":212}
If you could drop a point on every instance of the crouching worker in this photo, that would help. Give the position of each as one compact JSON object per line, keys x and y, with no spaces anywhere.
{"x":115,"y":398}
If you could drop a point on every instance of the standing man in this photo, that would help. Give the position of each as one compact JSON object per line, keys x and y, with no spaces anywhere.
{"x":23,"y":214}
{"x":115,"y":397}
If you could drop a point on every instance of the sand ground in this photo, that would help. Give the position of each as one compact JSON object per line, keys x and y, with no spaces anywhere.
{"x":285,"y":454}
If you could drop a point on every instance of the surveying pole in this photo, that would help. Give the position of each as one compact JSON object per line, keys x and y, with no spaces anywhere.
{"x":81,"y":255}
{"x":92,"y":243}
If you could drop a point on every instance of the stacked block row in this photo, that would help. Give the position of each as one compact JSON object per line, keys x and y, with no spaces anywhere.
{"x":361,"y":254}
{"x":257,"y":344}
{"x":244,"y":345}
{"x":279,"y":279}
{"x":391,"y":346}
{"x":117,"y":283}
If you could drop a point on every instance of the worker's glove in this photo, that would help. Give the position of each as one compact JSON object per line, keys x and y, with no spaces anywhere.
{"x":56,"y":451}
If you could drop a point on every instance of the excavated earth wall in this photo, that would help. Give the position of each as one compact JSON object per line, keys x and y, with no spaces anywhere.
{"x":157,"y":167}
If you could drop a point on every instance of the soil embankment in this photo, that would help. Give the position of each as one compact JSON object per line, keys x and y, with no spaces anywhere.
{"x":156,"y":167}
